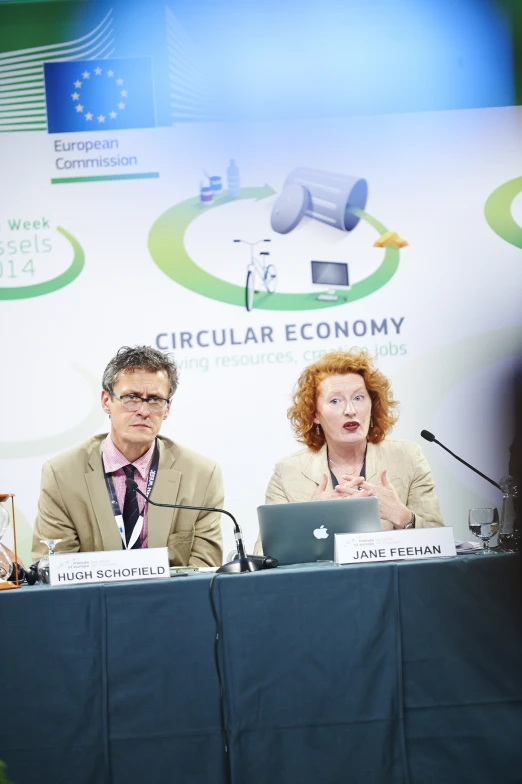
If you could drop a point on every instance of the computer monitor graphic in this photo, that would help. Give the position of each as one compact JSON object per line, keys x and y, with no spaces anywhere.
{"x":330,"y":274}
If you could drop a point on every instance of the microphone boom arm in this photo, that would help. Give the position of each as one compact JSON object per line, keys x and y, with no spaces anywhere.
{"x":430,"y":437}
{"x":238,"y":533}
{"x":468,"y":465}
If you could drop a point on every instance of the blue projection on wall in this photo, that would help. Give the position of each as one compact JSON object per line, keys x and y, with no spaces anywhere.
{"x":277,"y":60}
{"x":238,"y":60}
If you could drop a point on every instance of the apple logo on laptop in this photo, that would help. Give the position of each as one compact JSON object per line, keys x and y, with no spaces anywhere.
{"x":321,"y":533}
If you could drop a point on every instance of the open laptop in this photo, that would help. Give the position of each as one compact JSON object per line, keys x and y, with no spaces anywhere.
{"x":305,"y":532}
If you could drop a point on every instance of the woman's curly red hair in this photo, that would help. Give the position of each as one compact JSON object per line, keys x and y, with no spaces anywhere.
{"x":302,"y":413}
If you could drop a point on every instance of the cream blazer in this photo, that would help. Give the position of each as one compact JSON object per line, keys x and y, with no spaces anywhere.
{"x":74,"y":505}
{"x":297,"y":477}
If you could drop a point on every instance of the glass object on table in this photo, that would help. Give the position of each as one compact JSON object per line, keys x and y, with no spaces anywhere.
{"x":8,"y":559}
{"x":509,"y":528}
{"x":483,"y":523}
{"x":6,"y":563}
{"x":4,"y":516}
{"x":43,"y":570}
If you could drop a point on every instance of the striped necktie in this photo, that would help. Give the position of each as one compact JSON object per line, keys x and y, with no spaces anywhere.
{"x":131,"y":510}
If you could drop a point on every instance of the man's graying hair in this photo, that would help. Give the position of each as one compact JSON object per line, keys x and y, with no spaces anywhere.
{"x":140,"y":358}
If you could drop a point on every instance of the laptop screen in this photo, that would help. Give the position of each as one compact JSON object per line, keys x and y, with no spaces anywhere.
{"x":305,"y":532}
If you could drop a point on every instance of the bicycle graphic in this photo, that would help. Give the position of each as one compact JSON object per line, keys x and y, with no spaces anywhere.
{"x":267,"y":273}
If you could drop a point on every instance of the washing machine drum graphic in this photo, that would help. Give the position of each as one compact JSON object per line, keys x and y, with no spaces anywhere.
{"x":321,"y":195}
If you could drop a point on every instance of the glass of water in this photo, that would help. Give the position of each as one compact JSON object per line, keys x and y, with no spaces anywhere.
{"x":483,"y":523}
{"x":43,"y":567}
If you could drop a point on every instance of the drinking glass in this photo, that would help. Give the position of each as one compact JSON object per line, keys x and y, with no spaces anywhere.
{"x":483,"y":523}
{"x":509,"y":534}
{"x":43,"y":564}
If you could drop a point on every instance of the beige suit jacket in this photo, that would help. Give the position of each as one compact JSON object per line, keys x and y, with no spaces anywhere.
{"x":74,"y":505}
{"x":297,"y":477}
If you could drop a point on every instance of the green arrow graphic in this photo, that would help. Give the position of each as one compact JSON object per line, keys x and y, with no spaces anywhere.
{"x":37,"y":289}
{"x":167,"y":248}
{"x":498,"y":212}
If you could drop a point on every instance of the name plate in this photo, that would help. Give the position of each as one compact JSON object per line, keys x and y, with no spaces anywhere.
{"x":109,"y":566}
{"x":410,"y":544}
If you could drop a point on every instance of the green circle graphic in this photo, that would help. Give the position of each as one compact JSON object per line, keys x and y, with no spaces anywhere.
{"x":167,"y":248}
{"x":498,"y":212}
{"x":37,"y":289}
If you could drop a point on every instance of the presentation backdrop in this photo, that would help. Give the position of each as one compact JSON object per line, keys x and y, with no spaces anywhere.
{"x":211,"y":180}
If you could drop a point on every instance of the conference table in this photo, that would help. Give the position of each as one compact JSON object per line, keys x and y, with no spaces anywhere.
{"x":404,"y":672}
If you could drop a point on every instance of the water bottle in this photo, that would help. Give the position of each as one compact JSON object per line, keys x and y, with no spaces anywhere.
{"x":233,"y":184}
{"x":509,"y":537}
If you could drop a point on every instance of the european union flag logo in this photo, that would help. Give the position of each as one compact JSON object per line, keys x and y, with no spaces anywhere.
{"x":99,"y":95}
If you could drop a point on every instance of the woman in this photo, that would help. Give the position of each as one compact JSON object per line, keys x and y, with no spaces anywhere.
{"x":342,"y":411}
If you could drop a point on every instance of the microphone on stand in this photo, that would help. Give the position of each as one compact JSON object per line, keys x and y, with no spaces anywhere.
{"x":430,"y":437}
{"x":244,"y":562}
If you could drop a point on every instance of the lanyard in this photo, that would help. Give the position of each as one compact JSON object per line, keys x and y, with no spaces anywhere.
{"x":116,"y":507}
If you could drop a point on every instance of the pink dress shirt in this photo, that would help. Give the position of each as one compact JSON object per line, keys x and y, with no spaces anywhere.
{"x":114,"y":462}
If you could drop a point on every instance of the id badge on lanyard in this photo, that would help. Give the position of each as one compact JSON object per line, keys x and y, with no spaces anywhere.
{"x":136,"y":533}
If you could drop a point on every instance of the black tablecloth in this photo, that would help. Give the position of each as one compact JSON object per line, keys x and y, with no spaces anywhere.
{"x":399,"y":672}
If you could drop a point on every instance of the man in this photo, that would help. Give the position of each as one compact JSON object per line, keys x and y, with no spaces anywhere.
{"x":84,"y":500}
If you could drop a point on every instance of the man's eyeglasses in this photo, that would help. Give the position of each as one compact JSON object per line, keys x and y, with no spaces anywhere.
{"x":134,"y":402}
